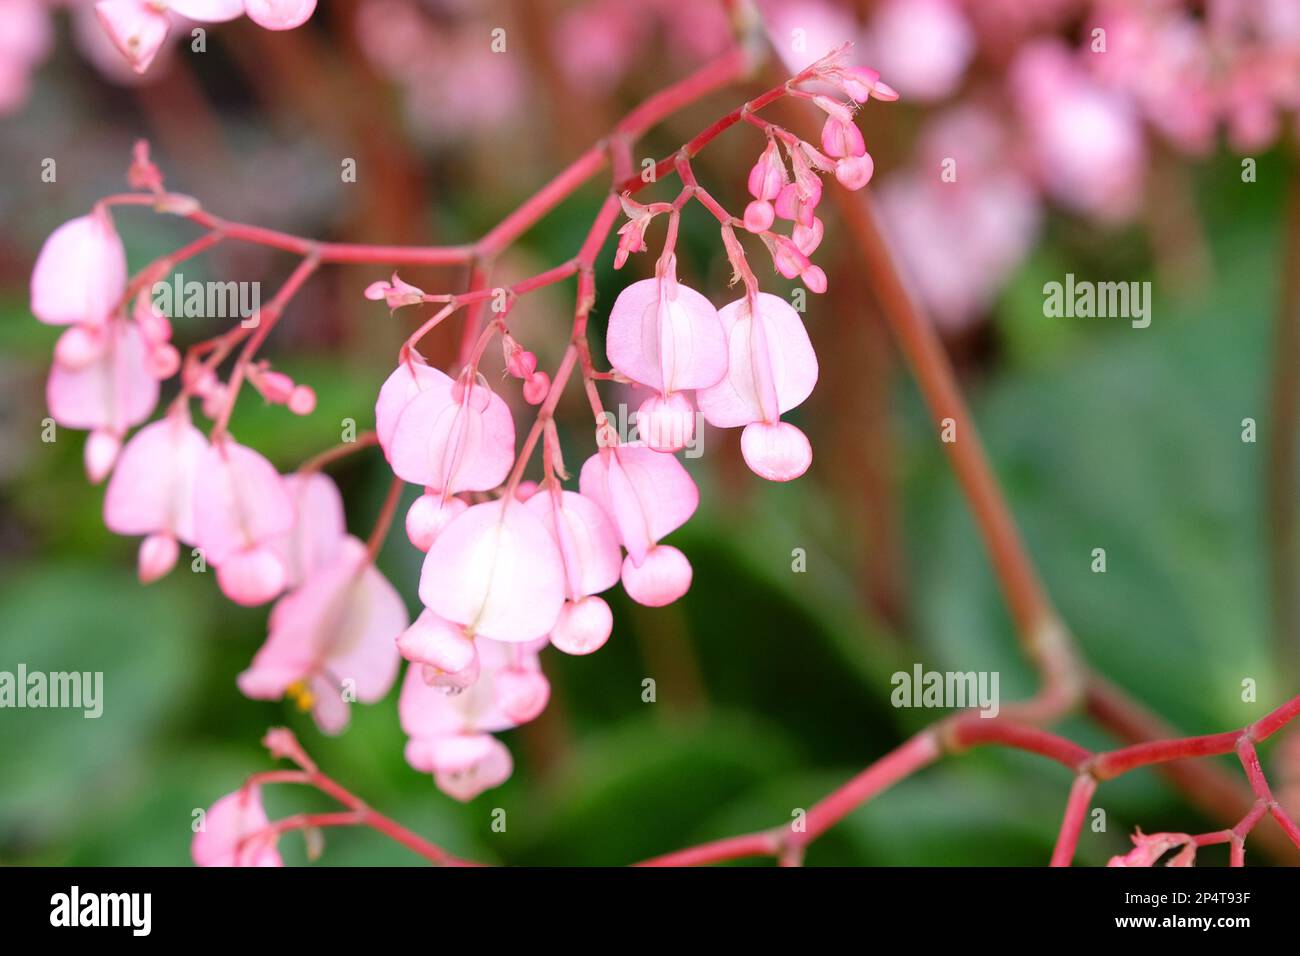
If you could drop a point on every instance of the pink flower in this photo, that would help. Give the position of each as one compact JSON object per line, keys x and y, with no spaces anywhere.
{"x":1086,"y":140}
{"x":396,"y":293}
{"x":960,"y":241}
{"x":80,"y":273}
{"x":412,"y":376}
{"x":923,"y":46}
{"x":447,"y":655}
{"x":771,"y":369}
{"x":646,"y":494}
{"x":768,"y":175}
{"x":152,"y":490}
{"x":589,"y":549}
{"x":318,"y":527}
{"x":496,"y":572}
{"x":138,"y":28}
{"x":428,"y":515}
{"x":107,"y":391}
{"x":331,"y":640}
{"x":234,"y":833}
{"x":241,"y":508}
{"x":1150,"y":847}
{"x":280,"y":14}
{"x":454,"y":435}
{"x":451,"y":735}
{"x":666,"y":336}
{"x":25,"y":35}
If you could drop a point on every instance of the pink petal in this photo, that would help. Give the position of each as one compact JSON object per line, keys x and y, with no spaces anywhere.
{"x":341,"y":625}
{"x":280,"y":14}
{"x":777,"y":452}
{"x":663,"y":577}
{"x":408,"y":380}
{"x":136,"y":27}
{"x":428,"y":515}
{"x":522,"y":693}
{"x":208,"y":11}
{"x":666,"y":424}
{"x":648,"y":494}
{"x":495,"y":570}
{"x":771,"y":369}
{"x":666,"y":335}
{"x":240,"y":501}
{"x":157,"y":556}
{"x":586,"y":539}
{"x":429,"y":712}
{"x":152,"y":489}
{"x":453,"y":438}
{"x":80,"y":274}
{"x":318,"y":526}
{"x":223,"y":839}
{"x":251,"y":576}
{"x":466,"y":779}
{"x":583,"y":626}
{"x":113,"y":392}
{"x":438,"y":643}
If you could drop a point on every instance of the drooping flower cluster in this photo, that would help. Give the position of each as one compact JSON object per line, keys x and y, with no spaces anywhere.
{"x":510,"y":566}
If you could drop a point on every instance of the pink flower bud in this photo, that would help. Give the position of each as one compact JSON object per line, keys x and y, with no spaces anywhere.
{"x":302,"y":400}
{"x":101,"y":451}
{"x":439,"y":644}
{"x":79,"y":346}
{"x":631,"y":238}
{"x":136,"y":27}
{"x":157,"y":556}
{"x":662,"y":578}
{"x":154,"y":326}
{"x":842,"y":139}
{"x":776,"y":451}
{"x":251,"y":577}
{"x":759,"y":216}
{"x":814,"y":278}
{"x":280,"y":14}
{"x":834,"y":109}
{"x":768,"y":175}
{"x":521,"y":363}
{"x":536,"y":388}
{"x":199,"y":379}
{"x":666,"y":423}
{"x":521,"y":694}
{"x":428,"y":515}
{"x":583,"y":626}
{"x":858,"y":81}
{"x":143,"y":174}
{"x":215,"y":400}
{"x":164,"y":361}
{"x":808,"y":238}
{"x":396,"y":293}
{"x":798,"y":201}
{"x":787,"y":258}
{"x":855,"y":171}
{"x":274,"y":386}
